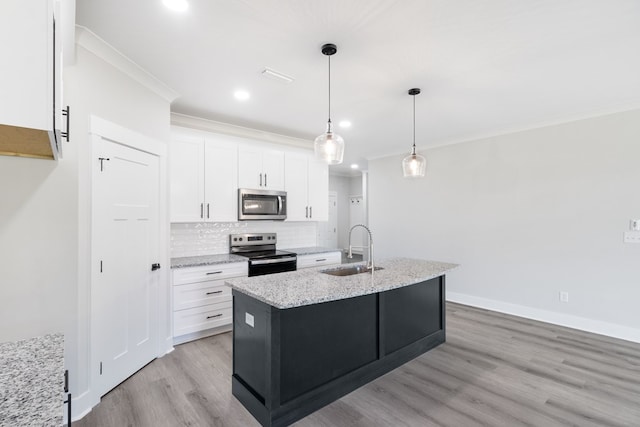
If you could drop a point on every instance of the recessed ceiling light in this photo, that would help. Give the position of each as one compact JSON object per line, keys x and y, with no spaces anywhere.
{"x":176,"y":5}
{"x":242,"y":95}
{"x":345,"y":124}
{"x":354,"y":166}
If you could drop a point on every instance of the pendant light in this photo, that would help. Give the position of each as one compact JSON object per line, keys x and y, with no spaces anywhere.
{"x":414,"y":165}
{"x":329,"y":146}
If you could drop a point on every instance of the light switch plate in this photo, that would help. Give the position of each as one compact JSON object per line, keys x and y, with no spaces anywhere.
{"x":634,"y":225}
{"x":631,"y":237}
{"x":248,"y":319}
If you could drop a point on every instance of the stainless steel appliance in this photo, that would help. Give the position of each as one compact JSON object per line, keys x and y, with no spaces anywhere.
{"x":261,"y":204}
{"x":263,"y":256}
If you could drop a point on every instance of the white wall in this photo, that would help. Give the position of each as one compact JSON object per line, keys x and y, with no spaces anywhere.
{"x":94,"y":87}
{"x":38,"y":245}
{"x":526,"y":215}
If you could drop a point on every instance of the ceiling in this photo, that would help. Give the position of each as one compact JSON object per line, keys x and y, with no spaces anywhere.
{"x":484,"y":68}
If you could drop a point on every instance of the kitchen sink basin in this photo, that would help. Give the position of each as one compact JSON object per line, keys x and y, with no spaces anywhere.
{"x":349,"y":271}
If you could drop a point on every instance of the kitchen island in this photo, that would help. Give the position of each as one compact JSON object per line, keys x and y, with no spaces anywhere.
{"x":303,"y":339}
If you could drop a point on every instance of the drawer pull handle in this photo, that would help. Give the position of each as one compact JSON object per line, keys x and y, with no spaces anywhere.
{"x":214,"y":292}
{"x":214,"y":316}
{"x":321,"y":259}
{"x":213,"y":272}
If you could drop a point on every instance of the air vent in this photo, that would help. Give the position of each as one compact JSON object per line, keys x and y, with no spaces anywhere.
{"x":276,"y":75}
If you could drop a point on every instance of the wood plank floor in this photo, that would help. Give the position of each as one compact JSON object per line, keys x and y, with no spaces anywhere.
{"x":494,"y":370}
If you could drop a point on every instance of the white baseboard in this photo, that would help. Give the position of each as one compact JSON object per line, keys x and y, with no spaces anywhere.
{"x":589,"y":325}
{"x":81,"y":405}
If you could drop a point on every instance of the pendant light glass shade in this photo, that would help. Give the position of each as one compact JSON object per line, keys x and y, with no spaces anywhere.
{"x":414,"y":165}
{"x":329,"y":146}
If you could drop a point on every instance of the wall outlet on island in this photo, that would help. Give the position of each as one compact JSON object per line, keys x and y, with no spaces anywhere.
{"x":564,"y":296}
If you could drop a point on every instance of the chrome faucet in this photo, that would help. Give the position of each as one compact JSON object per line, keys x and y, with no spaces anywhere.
{"x":350,"y":255}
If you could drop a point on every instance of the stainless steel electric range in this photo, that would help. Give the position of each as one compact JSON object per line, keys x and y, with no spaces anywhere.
{"x":263,"y":256}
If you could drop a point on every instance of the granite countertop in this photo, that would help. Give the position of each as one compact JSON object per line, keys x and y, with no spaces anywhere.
{"x":196,"y":261}
{"x":32,"y":379}
{"x":311,"y":250}
{"x":309,"y":286}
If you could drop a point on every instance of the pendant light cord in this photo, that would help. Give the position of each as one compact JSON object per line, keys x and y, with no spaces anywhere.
{"x":414,"y":125}
{"x":329,"y":56}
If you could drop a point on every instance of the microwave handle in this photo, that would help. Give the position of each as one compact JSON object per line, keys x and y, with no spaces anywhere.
{"x":279,"y":205}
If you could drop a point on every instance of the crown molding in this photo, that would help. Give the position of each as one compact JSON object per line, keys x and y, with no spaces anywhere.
{"x":513,"y":130}
{"x":103,"y":50}
{"x":207,"y":125}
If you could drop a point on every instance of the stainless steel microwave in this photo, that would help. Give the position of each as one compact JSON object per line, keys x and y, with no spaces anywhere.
{"x":261,"y":204}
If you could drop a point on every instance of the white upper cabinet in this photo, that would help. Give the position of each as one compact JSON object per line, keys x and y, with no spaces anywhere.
{"x":203,"y":179}
{"x":296,"y":172}
{"x":318,"y":189}
{"x":260,"y":168}
{"x":307,"y":186}
{"x":30,"y":110}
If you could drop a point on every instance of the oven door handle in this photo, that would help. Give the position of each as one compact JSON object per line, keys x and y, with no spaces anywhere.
{"x":272,"y":261}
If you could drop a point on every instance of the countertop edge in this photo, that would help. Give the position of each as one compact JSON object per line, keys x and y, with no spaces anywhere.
{"x":361,"y":292}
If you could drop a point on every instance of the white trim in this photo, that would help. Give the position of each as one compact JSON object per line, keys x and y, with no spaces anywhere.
{"x":103,"y":50}
{"x":81,"y":405}
{"x":120,"y":134}
{"x":198,"y":123}
{"x":512,"y":130}
{"x":561,"y":319}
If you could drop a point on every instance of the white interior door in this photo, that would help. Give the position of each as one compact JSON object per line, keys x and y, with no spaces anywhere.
{"x":332,"y":224}
{"x":356,"y":216}
{"x":124,"y":289}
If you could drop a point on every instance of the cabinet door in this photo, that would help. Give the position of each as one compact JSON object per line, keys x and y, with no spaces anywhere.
{"x":318,"y":190}
{"x":221,"y":181}
{"x":295,"y":178}
{"x":250,"y":168}
{"x":187,"y":180}
{"x":273,"y":169}
{"x":26,"y":37}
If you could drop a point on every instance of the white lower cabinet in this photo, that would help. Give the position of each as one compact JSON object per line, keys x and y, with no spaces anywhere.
{"x":317,"y":260}
{"x":202,"y":303}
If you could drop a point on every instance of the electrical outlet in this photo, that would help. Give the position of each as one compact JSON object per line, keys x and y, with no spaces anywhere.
{"x":634,"y":225}
{"x":631,"y":237}
{"x":564,"y":296}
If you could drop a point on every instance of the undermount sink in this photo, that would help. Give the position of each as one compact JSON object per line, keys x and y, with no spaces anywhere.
{"x":349,"y":271}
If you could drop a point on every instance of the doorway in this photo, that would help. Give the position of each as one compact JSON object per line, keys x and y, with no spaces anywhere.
{"x":127,"y":284}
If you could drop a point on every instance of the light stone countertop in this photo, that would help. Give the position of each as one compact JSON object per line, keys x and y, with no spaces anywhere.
{"x":309,"y":286}
{"x":197,"y":261}
{"x":311,"y":250}
{"x":32,"y":381}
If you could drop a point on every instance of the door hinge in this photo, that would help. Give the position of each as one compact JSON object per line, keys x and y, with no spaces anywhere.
{"x":102,"y":160}
{"x":155,"y":266}
{"x":100,"y":368}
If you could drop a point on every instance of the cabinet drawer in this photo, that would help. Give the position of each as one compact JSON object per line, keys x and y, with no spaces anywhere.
{"x":316,"y":260}
{"x":201,"y":318}
{"x":199,"y":294}
{"x":209,"y":272}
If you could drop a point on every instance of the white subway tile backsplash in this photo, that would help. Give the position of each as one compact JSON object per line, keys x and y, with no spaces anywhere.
{"x":210,"y":238}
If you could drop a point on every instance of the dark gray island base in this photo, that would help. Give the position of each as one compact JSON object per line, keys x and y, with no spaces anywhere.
{"x":288,"y":363}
